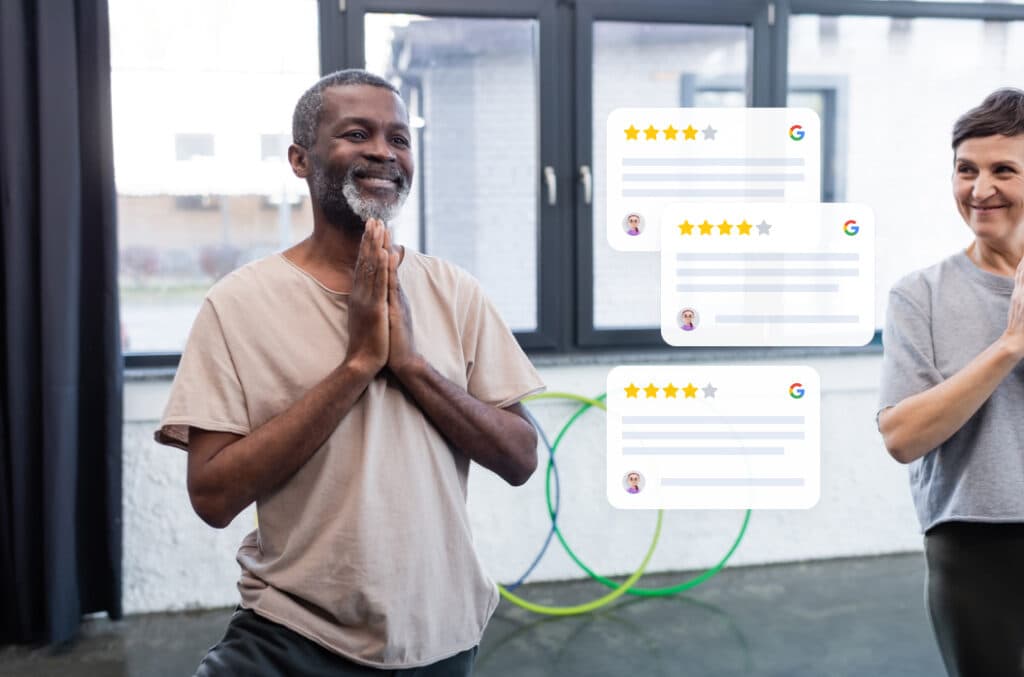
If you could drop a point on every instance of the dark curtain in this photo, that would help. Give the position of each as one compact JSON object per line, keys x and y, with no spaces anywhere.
{"x":60,"y":355}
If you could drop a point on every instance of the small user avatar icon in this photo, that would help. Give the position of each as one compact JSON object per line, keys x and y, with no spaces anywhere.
{"x":689,"y":319}
{"x":633,"y":482}
{"x":633,"y":224}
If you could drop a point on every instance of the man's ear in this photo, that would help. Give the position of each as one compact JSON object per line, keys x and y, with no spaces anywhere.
{"x":298,"y":158}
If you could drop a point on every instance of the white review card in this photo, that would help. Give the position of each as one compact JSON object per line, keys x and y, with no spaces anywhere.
{"x":661,"y":155}
{"x":767,"y":274}
{"x":714,"y":437}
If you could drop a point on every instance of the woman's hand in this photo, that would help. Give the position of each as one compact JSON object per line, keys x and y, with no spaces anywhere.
{"x":1013,"y":337}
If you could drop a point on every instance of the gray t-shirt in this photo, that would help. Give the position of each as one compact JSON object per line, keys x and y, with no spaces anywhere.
{"x":939,"y":319}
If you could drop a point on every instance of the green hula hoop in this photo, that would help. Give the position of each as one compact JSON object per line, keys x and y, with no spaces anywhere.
{"x":709,"y":573}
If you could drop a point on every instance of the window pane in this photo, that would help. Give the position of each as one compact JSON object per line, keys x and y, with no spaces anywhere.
{"x":197,"y":88}
{"x":897,"y":98}
{"x":472,"y":90}
{"x":647,"y":65}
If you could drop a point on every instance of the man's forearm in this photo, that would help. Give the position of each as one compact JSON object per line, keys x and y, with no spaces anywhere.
{"x":497,"y":439}
{"x":254,"y":465}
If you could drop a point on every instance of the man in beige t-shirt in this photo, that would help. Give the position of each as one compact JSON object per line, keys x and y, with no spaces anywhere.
{"x":344,"y":385}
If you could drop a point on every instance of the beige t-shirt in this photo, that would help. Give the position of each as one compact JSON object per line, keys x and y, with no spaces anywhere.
{"x":367,"y":549}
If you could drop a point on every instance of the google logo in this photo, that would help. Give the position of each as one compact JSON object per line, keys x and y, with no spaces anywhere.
{"x":796,"y":391}
{"x":851,"y":227}
{"x":796,"y":132}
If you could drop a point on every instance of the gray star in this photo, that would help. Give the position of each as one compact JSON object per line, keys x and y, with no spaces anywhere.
{"x":709,"y":133}
{"x":763,"y":228}
{"x":709,"y":391}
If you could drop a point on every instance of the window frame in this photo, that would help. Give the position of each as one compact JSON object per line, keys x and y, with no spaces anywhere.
{"x":565,"y":309}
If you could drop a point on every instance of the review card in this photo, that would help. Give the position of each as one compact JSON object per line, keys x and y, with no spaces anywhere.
{"x":767,"y":274}
{"x":709,"y":437}
{"x":661,"y":155}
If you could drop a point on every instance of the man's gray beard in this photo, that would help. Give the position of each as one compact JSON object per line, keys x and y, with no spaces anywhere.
{"x":337,"y":200}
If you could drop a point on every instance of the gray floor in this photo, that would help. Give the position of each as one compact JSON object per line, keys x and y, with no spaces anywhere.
{"x":839,"y":618}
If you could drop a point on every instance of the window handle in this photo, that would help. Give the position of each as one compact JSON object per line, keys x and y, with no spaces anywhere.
{"x":588,"y":183}
{"x":552,"y":183}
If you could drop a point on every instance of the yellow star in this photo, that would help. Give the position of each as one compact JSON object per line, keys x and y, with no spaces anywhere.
{"x":651,"y":133}
{"x":705,"y":228}
{"x":632,"y":133}
{"x":690,"y":133}
{"x":724,"y":228}
{"x":670,"y":390}
{"x":686,"y":228}
{"x":651,"y":390}
{"x":691,"y":391}
{"x":671,"y":133}
{"x":631,"y":390}
{"x":744,"y":227}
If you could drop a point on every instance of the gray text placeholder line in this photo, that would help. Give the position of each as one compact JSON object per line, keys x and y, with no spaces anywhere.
{"x":769,"y":272}
{"x":733,"y":482}
{"x":758,"y":288}
{"x":714,"y":162}
{"x":704,"y":435}
{"x":628,"y":420}
{"x":768,"y":256}
{"x":704,"y":192}
{"x":713,"y":177}
{"x":787,"y":319}
{"x":706,"y":451}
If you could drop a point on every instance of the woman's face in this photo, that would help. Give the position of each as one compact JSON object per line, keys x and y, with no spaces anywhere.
{"x":634,"y":222}
{"x":687,"y":317}
{"x":988,"y":184}
{"x":634,"y":479}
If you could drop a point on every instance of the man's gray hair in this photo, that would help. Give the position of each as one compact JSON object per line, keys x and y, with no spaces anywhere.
{"x":306,"y":117}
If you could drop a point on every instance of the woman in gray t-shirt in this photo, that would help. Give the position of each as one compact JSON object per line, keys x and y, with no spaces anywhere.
{"x":952,"y":400}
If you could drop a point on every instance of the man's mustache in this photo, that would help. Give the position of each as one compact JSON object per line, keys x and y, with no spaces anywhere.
{"x":388,"y":172}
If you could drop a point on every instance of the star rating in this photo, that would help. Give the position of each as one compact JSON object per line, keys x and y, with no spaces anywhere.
{"x":651,"y":132}
{"x":671,"y":133}
{"x":632,"y":134}
{"x":709,"y":133}
{"x":744,"y":227}
{"x":724,"y":228}
{"x":705,"y":228}
{"x":686,"y":228}
{"x":763,"y":228}
{"x":690,"y":133}
{"x":671,"y":391}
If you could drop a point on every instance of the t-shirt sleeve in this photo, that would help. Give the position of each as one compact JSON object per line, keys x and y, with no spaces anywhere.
{"x":206,"y":392}
{"x":497,"y":370}
{"x":908,"y":363}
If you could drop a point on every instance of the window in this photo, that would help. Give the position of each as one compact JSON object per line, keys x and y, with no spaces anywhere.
{"x":507,"y":103}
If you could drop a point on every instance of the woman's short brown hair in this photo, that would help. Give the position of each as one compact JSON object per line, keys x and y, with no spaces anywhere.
{"x":1002,"y":112}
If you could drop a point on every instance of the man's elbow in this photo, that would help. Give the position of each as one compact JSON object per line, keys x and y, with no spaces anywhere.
{"x":525,"y":454}
{"x":210,"y":509}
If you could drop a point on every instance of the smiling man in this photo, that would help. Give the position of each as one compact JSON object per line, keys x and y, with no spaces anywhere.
{"x":344,"y":385}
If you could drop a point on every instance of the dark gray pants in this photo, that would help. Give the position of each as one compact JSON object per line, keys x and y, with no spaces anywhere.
{"x":975,"y":593}
{"x":256,"y":647}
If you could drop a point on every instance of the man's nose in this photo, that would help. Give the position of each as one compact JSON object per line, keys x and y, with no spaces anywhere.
{"x":379,"y":149}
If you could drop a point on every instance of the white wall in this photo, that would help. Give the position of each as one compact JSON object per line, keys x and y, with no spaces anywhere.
{"x":174,"y":561}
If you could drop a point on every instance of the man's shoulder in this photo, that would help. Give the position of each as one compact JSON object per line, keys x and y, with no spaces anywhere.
{"x":441,"y":273}
{"x":247,"y":279}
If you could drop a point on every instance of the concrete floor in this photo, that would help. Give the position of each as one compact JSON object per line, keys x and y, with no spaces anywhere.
{"x":838,"y":618}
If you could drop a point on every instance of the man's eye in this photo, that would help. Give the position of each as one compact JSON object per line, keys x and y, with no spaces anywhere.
{"x":355,"y":135}
{"x":401,"y":141}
